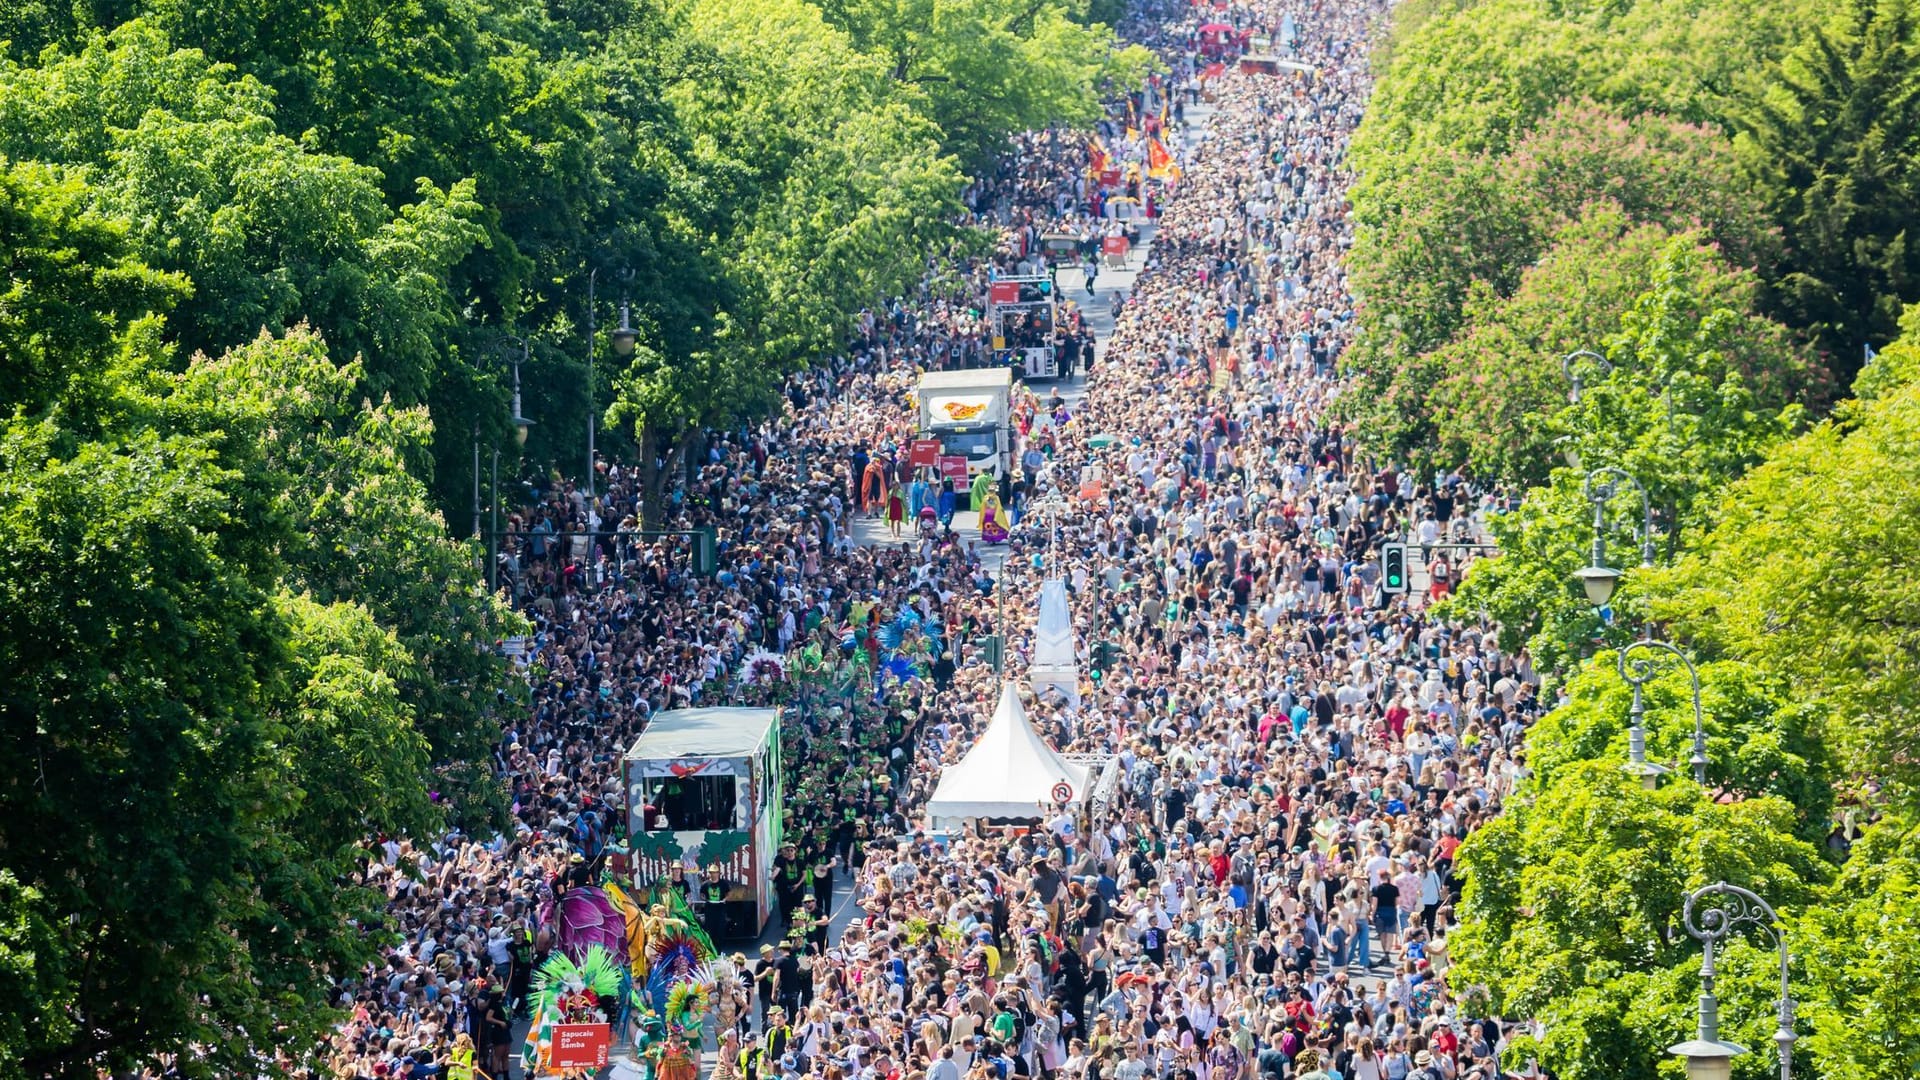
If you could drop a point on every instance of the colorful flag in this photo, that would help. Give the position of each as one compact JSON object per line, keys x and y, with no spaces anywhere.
{"x":1160,"y":164}
{"x":533,"y":1052}
{"x":1097,"y":159}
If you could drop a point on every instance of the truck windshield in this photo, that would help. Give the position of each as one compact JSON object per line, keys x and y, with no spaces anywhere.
{"x":977,"y":445}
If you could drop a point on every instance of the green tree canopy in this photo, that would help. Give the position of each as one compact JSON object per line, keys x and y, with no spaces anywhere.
{"x":1458,"y":259}
{"x":1832,"y":133}
{"x":992,"y":68}
{"x":1808,"y":571}
{"x":1677,"y":413}
{"x":1583,"y":879}
{"x":270,"y":233}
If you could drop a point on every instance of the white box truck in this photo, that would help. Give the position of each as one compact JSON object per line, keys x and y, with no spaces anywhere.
{"x":969,"y":413}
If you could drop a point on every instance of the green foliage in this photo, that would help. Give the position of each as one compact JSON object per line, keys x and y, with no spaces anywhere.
{"x":1503,"y":225}
{"x":1760,"y":741}
{"x":71,"y":287}
{"x":1676,"y":412}
{"x":1583,"y":879}
{"x":33,"y":971}
{"x":134,"y":721}
{"x":1476,"y":75}
{"x":1501,"y":376}
{"x":1492,"y":267}
{"x":1809,"y":571}
{"x":1861,"y":975}
{"x":361,"y":529}
{"x":1832,"y":134}
{"x":267,"y":231}
{"x":991,"y":68}
{"x":218,"y":686}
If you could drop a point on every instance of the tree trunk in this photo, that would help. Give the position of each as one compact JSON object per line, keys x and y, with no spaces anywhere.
{"x":656,"y":473}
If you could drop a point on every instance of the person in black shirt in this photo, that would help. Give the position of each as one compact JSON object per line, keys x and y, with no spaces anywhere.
{"x":789,"y":875}
{"x":1386,"y":912}
{"x":823,"y":865}
{"x":765,"y":971}
{"x":1266,"y":957}
{"x":791,"y":988}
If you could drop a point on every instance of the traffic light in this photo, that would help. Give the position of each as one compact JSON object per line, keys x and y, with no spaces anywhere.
{"x":1105,"y":654}
{"x":1393,"y":568}
{"x":991,"y":650}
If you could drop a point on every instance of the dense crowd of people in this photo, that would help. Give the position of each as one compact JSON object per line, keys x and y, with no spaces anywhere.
{"x":1269,"y":893}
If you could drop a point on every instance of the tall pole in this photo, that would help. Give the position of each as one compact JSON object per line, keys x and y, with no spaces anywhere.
{"x":493,"y":526}
{"x":476,"y":481}
{"x":592,"y":278}
{"x":1573,"y":373}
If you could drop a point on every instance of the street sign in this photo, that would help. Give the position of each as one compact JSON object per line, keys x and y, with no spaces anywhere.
{"x":1063,"y":792}
{"x":580,"y":1046}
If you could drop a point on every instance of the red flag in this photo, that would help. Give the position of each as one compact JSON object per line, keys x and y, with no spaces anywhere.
{"x":1159,"y":161}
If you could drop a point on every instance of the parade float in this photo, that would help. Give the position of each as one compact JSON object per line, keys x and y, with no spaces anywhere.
{"x":629,"y":979}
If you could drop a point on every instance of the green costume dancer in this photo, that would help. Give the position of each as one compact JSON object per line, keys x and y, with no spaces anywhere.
{"x":982,"y":484}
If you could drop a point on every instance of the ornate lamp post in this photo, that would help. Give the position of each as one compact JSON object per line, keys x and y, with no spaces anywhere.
{"x":1637,"y":672}
{"x":1723,"y":910}
{"x":1601,"y":485}
{"x":1599,"y":581}
{"x":1569,"y":365}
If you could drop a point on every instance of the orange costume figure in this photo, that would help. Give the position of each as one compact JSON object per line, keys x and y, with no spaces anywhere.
{"x":873,"y":487}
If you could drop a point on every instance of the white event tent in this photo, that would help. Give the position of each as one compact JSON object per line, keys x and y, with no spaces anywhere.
{"x":1011,"y":773}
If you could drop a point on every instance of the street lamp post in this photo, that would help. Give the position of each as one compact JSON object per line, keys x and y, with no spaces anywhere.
{"x":593,"y":278}
{"x":622,"y":339}
{"x":476,"y":481}
{"x":1637,"y":672}
{"x":520,"y":426}
{"x":1731,"y":909}
{"x":519,"y":418}
{"x":1599,"y":487}
{"x":1599,"y":581}
{"x":1570,"y":367}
